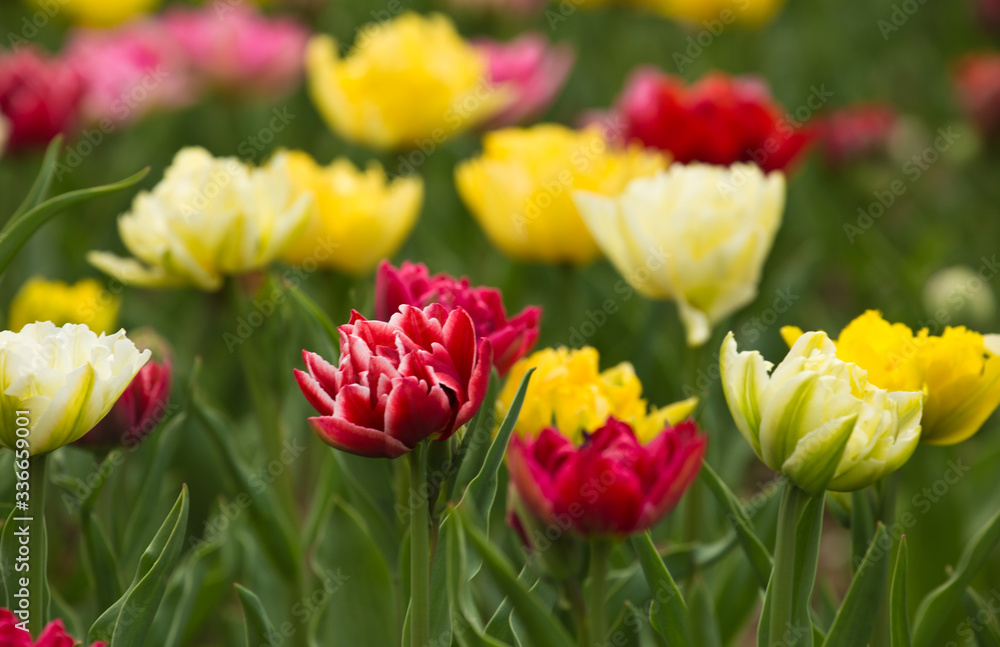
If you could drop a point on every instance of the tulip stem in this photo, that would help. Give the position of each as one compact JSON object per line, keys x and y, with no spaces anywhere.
{"x":789,"y":550}
{"x":578,"y":608}
{"x":38,"y":600}
{"x":420,"y":577}
{"x":600,"y":556}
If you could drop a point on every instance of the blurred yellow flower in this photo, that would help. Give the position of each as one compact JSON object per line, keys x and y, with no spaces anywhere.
{"x":359,"y":215}
{"x":568,"y":391}
{"x":959,"y":370}
{"x":695,"y":233}
{"x":410,"y":82}
{"x":85,"y":302}
{"x":519,"y":188}
{"x":716,"y":13}
{"x":206,"y":219}
{"x":98,"y":13}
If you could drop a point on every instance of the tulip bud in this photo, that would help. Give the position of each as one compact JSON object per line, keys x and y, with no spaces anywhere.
{"x":54,"y":634}
{"x":611,"y":485}
{"x":816,"y":418}
{"x":143,"y":405}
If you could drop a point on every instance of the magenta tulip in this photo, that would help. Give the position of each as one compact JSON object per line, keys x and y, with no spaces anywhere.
{"x":54,"y":634}
{"x":138,"y":411}
{"x":421,"y":374}
{"x":412,"y":284}
{"x":612,"y":485}
{"x":39,"y":96}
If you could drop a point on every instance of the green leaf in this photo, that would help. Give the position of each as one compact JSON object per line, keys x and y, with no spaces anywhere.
{"x":315,"y":314}
{"x":126,"y":623}
{"x":981,"y":619}
{"x":899,"y":623}
{"x":858,"y":614}
{"x":704,"y":622}
{"x":475,"y":443}
{"x":810,"y":528}
{"x":187,"y":583}
{"x":862,"y":525}
{"x":759,"y":556}
{"x":543,"y":629}
{"x":100,"y":560}
{"x":258,"y":627}
{"x":40,"y":187}
{"x":670,"y":615}
{"x":20,"y":229}
{"x":934,"y":609}
{"x":361,"y":608}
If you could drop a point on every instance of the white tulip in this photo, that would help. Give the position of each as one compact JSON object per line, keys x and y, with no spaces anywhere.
{"x":816,"y":419}
{"x":57,"y":383}
{"x":697,"y":234}
{"x":208,"y":218}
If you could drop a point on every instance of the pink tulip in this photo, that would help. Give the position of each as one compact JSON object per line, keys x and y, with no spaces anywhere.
{"x":977,"y":84}
{"x":412,"y":284}
{"x":856,"y":132}
{"x":54,"y":635}
{"x":39,"y":96}
{"x":530,"y":71}
{"x":130,"y":71}
{"x":235,"y":48}
{"x":138,"y":411}
{"x":421,"y":374}
{"x":611,"y":485}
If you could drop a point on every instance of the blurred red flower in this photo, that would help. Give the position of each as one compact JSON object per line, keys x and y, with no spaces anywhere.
{"x":39,"y":96}
{"x":54,"y":635}
{"x":412,"y":284}
{"x":856,"y":132}
{"x":977,"y":84}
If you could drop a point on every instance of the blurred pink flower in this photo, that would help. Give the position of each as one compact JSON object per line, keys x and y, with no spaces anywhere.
{"x":531,"y":70}
{"x":234,"y":47}
{"x":977,"y":84}
{"x":39,"y":96}
{"x":129,"y":71}
{"x":856,"y":132}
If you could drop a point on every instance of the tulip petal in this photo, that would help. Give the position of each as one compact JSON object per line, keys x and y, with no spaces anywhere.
{"x":355,"y":439}
{"x":414,"y":413}
{"x":315,"y":394}
{"x":818,"y":454}
{"x":744,"y":377}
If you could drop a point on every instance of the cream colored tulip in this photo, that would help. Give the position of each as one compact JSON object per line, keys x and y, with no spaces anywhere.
{"x":816,"y":418}
{"x":208,"y":218}
{"x":697,"y":234}
{"x":57,"y":383}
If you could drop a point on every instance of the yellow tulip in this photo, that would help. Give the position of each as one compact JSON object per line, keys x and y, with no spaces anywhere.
{"x":410,"y":82}
{"x":959,"y":370}
{"x":570,"y":392}
{"x":99,"y":13}
{"x":208,"y":218}
{"x":361,"y":216}
{"x":716,"y":12}
{"x":85,"y":302}
{"x":696,"y":234}
{"x":519,"y":188}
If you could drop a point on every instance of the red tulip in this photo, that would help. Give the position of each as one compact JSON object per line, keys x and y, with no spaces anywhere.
{"x":612,"y":484}
{"x":420,"y":375}
{"x":857,"y":132}
{"x":977,"y":83}
{"x":54,"y":635}
{"x":412,"y":284}
{"x":530,"y":71}
{"x":39,"y":95}
{"x":138,"y":411}
{"x":718,"y":120}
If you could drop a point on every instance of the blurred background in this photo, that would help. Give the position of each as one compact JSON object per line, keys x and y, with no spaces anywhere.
{"x":837,"y":253}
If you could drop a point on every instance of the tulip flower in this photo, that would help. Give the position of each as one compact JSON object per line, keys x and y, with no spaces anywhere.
{"x":231,"y":46}
{"x":129,"y":72}
{"x":412,"y":284}
{"x":54,"y":635}
{"x":718,"y":120}
{"x":100,"y":13}
{"x":959,"y":371}
{"x":611,"y":485}
{"x":531,"y":72}
{"x":696,"y":234}
{"x":977,"y":85}
{"x":208,"y":218}
{"x":519,"y":188}
{"x":409,"y":82}
{"x":988,"y":12}
{"x":857,"y":132}
{"x":4,"y":133}
{"x":62,"y":380}
{"x":816,"y":418}
{"x":360,"y":214}
{"x":85,"y":302}
{"x":570,"y":392}
{"x":420,"y":375}
{"x":716,"y":12}
{"x":39,"y":96}
{"x":138,"y":411}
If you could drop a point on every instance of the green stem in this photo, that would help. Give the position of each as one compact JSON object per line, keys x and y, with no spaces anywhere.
{"x":782,"y":586}
{"x":39,"y":598}
{"x":600,"y":555}
{"x":420,"y":576}
{"x":578,"y":609}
